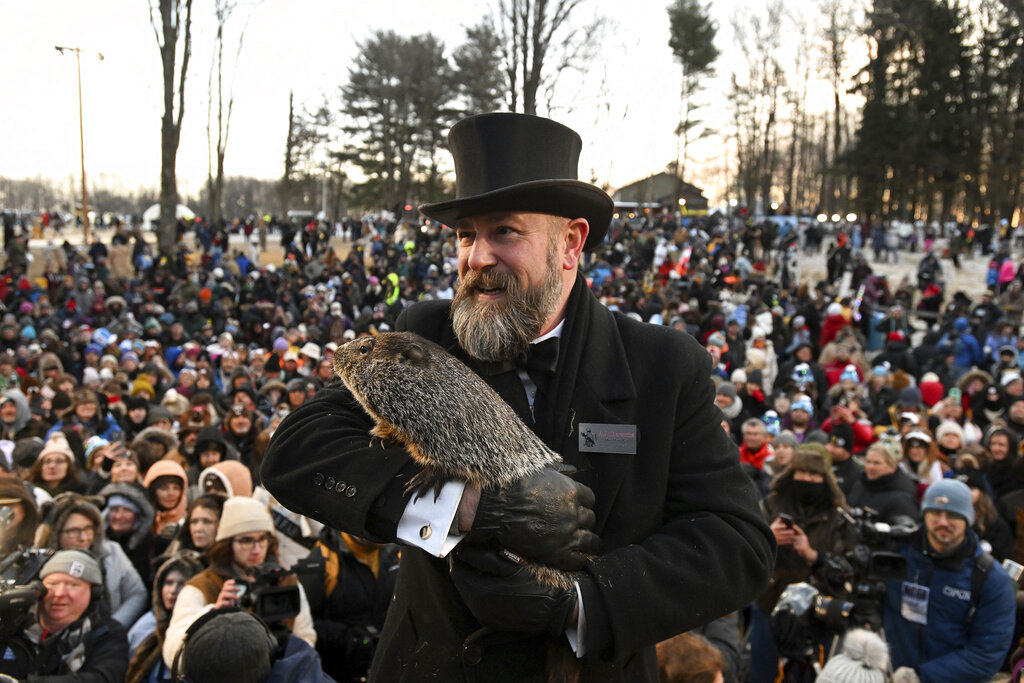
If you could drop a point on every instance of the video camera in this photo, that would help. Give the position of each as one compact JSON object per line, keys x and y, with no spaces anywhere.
{"x":266,"y":598}
{"x":853,"y":585}
{"x":19,"y":587}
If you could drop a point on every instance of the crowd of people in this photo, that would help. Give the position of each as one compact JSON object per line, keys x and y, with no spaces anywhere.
{"x":138,"y":395}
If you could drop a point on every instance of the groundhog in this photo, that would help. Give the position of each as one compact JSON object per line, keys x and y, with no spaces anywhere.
{"x":452,"y":423}
{"x":454,"y":426}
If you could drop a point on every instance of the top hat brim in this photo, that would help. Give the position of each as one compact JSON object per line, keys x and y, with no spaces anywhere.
{"x":566,"y":198}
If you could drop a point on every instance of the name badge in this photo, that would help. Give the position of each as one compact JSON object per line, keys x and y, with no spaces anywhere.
{"x":914,"y":606}
{"x":606,"y":438}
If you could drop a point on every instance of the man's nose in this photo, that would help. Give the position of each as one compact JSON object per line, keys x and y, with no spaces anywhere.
{"x":481,"y":254}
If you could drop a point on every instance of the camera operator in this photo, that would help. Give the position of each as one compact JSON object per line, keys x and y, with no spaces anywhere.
{"x":804,"y":506}
{"x":952,"y":618}
{"x":64,"y":634}
{"x":245,"y":542}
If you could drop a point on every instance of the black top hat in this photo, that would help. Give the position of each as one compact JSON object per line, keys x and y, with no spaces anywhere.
{"x":518,"y":162}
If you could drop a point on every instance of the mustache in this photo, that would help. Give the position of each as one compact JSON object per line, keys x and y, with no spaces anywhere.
{"x":487,"y":279}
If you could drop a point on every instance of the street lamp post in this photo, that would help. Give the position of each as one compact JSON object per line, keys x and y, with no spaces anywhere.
{"x":81,"y":134}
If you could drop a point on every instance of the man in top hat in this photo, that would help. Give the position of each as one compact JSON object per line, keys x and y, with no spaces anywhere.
{"x":641,"y":517}
{"x":952,"y":618}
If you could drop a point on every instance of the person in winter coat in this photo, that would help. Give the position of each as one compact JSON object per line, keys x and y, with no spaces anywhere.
{"x":56,"y":467}
{"x":245,"y":541}
{"x":65,"y":636}
{"x":995,"y":534}
{"x":210,"y":449}
{"x":88,"y":418}
{"x":200,"y":527}
{"x":167,"y":485}
{"x":840,"y":449}
{"x":926,"y":616}
{"x":1001,"y":473}
{"x":129,"y":515}
{"x":146,"y":636}
{"x":14,"y":413}
{"x":835,"y":320}
{"x":967,"y":351}
{"x":228,"y":478}
{"x":884,"y":487}
{"x":71,"y":521}
{"x":809,"y":495}
{"x":349,"y":583}
{"x":20,"y":530}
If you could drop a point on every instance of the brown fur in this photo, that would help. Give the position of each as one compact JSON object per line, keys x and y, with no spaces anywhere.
{"x":454,"y":426}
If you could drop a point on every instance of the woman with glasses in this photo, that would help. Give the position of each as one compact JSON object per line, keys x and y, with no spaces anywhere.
{"x":245,"y":542}
{"x":71,"y":521}
{"x":55,"y":470}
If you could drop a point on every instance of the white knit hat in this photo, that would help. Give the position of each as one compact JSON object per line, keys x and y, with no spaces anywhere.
{"x":243,"y":516}
{"x":57,"y":443}
{"x":864,"y":659}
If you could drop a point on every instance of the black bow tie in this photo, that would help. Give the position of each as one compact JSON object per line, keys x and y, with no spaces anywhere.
{"x":540,"y":357}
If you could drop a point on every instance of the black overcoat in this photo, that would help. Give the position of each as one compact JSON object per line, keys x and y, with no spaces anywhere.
{"x":682,"y":538}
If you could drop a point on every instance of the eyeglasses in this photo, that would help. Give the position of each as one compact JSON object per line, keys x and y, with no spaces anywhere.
{"x":247,"y":542}
{"x":78,"y":531}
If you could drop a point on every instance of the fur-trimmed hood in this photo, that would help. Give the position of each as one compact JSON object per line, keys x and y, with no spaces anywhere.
{"x":139,"y":496}
{"x":55,"y":513}
{"x":189,"y":563}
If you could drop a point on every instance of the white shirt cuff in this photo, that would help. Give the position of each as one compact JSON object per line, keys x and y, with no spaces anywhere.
{"x":427,"y":522}
{"x":576,"y":633}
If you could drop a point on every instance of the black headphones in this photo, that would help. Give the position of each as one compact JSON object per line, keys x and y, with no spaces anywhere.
{"x":178,"y":666}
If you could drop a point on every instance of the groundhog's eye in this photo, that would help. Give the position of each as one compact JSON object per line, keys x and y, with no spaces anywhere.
{"x":365,"y":348}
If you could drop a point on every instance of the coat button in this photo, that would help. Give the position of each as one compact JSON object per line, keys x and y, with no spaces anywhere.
{"x":329,"y":484}
{"x":350,"y":491}
{"x":472,"y":654}
{"x":318,"y":479}
{"x":340,"y":488}
{"x":425,"y":531}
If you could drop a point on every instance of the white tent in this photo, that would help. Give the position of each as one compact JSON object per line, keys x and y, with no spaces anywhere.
{"x":152,"y":215}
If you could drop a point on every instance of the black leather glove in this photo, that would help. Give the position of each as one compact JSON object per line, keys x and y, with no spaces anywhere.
{"x":504,"y":595}
{"x":547,"y":517}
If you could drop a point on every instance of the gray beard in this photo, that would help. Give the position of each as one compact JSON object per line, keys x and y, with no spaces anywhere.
{"x":502,"y":331}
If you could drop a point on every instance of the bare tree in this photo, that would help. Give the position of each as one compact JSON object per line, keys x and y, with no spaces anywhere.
{"x":539,"y":42}
{"x":173,"y":26}
{"x":215,"y":183}
{"x":755,"y":98}
{"x":692,"y":39}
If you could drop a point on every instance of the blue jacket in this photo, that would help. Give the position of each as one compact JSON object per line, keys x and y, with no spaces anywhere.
{"x":944,"y":650}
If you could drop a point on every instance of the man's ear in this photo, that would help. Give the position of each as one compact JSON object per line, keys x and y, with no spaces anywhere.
{"x":576,"y":232}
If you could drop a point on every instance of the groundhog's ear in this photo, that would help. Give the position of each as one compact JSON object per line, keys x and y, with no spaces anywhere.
{"x":414,"y":354}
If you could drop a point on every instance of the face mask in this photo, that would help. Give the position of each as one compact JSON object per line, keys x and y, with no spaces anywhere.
{"x":811,"y":494}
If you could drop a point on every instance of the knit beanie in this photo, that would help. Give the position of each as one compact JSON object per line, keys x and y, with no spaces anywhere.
{"x":950,"y":495}
{"x":77,"y":563}
{"x":228,"y":646}
{"x":243,"y":516}
{"x":842,"y":436}
{"x":849,"y":374}
{"x":949,"y":427}
{"x":864,"y":659}
{"x":786,"y":438}
{"x":726,"y":389}
{"x":57,"y":443}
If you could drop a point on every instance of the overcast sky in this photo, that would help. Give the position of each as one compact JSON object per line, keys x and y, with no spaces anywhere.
{"x":300,"y":45}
